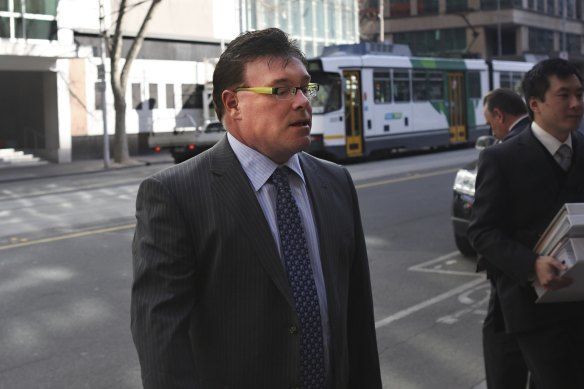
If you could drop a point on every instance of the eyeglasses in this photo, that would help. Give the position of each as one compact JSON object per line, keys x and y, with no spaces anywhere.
{"x":284,"y":92}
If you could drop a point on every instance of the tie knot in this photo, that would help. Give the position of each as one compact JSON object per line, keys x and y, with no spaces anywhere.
{"x":280,"y":176}
{"x":563,"y":156}
{"x":564,"y":151}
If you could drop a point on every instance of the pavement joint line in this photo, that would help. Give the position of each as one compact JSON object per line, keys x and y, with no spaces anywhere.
{"x":67,"y":236}
{"x":424,"y":304}
{"x":414,"y":176}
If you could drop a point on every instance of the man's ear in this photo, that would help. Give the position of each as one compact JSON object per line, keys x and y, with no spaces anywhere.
{"x":230,"y":102}
{"x":500,"y":115}
{"x":534,"y":104}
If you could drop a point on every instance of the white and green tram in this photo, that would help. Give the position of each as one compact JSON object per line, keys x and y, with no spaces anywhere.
{"x":377,"y":103}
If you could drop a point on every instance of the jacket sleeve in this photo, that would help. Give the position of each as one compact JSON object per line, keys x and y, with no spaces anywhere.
{"x":491,"y":226}
{"x":162,"y":291}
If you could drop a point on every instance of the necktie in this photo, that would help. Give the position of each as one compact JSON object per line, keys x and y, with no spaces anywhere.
{"x":564,"y":156}
{"x":295,"y":252}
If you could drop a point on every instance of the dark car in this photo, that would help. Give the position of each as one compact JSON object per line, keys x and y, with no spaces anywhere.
{"x":463,"y":199}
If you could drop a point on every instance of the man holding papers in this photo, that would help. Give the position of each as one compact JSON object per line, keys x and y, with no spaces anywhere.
{"x":521,"y":184}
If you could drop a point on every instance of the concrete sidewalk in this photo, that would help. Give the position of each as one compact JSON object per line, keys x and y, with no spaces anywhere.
{"x":31,"y":172}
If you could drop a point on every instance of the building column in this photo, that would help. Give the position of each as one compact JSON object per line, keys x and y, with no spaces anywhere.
{"x":57,"y":116}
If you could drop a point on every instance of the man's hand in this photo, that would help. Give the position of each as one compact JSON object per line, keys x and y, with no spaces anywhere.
{"x":547,"y":270}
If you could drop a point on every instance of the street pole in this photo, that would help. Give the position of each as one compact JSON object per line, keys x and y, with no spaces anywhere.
{"x":102,"y":84}
{"x":381,"y":22}
{"x":499,"y":49}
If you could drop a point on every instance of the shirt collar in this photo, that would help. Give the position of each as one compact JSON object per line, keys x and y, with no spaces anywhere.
{"x":257,"y":166}
{"x":550,"y":143}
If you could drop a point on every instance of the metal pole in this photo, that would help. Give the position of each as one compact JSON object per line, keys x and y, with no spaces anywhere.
{"x":499,"y":49}
{"x":102,"y":77}
{"x":381,"y":22}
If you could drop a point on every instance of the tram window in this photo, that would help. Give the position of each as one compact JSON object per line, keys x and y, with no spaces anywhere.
{"x":419,"y":85}
{"x":474,"y":85}
{"x":401,"y":85}
{"x":381,"y":87}
{"x":436,"y":85}
{"x":511,"y":80}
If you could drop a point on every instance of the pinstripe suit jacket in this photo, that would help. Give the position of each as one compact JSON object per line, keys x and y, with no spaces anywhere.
{"x":211,"y":304}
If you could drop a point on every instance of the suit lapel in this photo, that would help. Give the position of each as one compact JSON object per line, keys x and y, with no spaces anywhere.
{"x":231,"y":185}
{"x":319,"y":191}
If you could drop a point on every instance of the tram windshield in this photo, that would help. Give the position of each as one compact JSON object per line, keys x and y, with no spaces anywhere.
{"x":329,"y":95}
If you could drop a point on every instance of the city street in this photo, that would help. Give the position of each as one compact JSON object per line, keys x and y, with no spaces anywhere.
{"x":65,"y":276}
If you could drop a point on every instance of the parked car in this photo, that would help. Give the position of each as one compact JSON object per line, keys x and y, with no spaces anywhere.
{"x":187,"y":142}
{"x":463,"y":199}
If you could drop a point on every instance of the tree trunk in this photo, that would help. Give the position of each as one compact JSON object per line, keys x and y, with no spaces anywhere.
{"x":121,"y":149}
{"x":119,"y":77}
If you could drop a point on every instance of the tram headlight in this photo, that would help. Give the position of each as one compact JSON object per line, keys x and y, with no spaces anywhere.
{"x":465,"y":182}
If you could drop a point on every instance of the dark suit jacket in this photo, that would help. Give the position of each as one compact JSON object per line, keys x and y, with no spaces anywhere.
{"x":518,"y":128}
{"x":519,"y":188}
{"x":211,"y":304}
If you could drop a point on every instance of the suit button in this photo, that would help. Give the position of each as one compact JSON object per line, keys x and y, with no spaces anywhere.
{"x":293,"y":329}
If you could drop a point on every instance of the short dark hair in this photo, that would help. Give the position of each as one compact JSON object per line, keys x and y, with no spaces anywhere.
{"x":536,"y":81}
{"x":247,"y":47}
{"x":506,"y":101}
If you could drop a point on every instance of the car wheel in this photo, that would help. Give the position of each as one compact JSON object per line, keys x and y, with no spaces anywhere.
{"x":463,"y":245}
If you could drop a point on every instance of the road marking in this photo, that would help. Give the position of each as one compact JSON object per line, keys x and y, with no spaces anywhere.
{"x":473,"y":305}
{"x":414,"y":176}
{"x":67,"y":236}
{"x":423,"y":267}
{"x":427,"y":303}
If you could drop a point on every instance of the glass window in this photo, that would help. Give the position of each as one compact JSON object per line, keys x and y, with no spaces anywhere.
{"x":45,"y":7}
{"x":319,"y":18}
{"x":136,"y":96}
{"x":474,"y":85}
{"x":3,"y":5}
{"x":399,"y":8}
{"x":436,"y":85}
{"x":169,"y":96}
{"x":4,"y":27}
{"x":419,"y":85}
{"x":456,"y":5}
{"x":511,"y":80}
{"x":433,"y":42}
{"x":541,"y":40}
{"x":551,"y":7}
{"x":36,"y":29}
{"x":153,"y":96}
{"x":492,"y":4}
{"x":188,"y":95}
{"x":401,"y":85}
{"x":381,"y":87}
{"x":427,"y":7}
{"x":572,"y":43}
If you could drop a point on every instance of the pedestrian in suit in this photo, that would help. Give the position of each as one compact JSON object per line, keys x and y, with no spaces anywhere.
{"x":250,"y":266}
{"x":505,"y":368}
{"x":520,"y":186}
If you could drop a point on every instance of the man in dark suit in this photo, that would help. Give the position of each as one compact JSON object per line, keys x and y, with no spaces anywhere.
{"x":505,"y":367}
{"x":505,"y":113}
{"x":250,"y":266}
{"x":520,"y":187}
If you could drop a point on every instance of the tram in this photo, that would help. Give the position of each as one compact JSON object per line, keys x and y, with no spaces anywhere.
{"x":375,"y":102}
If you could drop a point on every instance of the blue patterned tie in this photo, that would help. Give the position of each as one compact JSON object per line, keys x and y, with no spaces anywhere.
{"x":295,"y":252}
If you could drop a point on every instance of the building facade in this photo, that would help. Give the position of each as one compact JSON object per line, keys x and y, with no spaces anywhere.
{"x":511,"y":29}
{"x":51,"y":85}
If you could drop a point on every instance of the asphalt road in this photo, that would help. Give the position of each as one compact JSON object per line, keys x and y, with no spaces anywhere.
{"x":65,"y":274}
